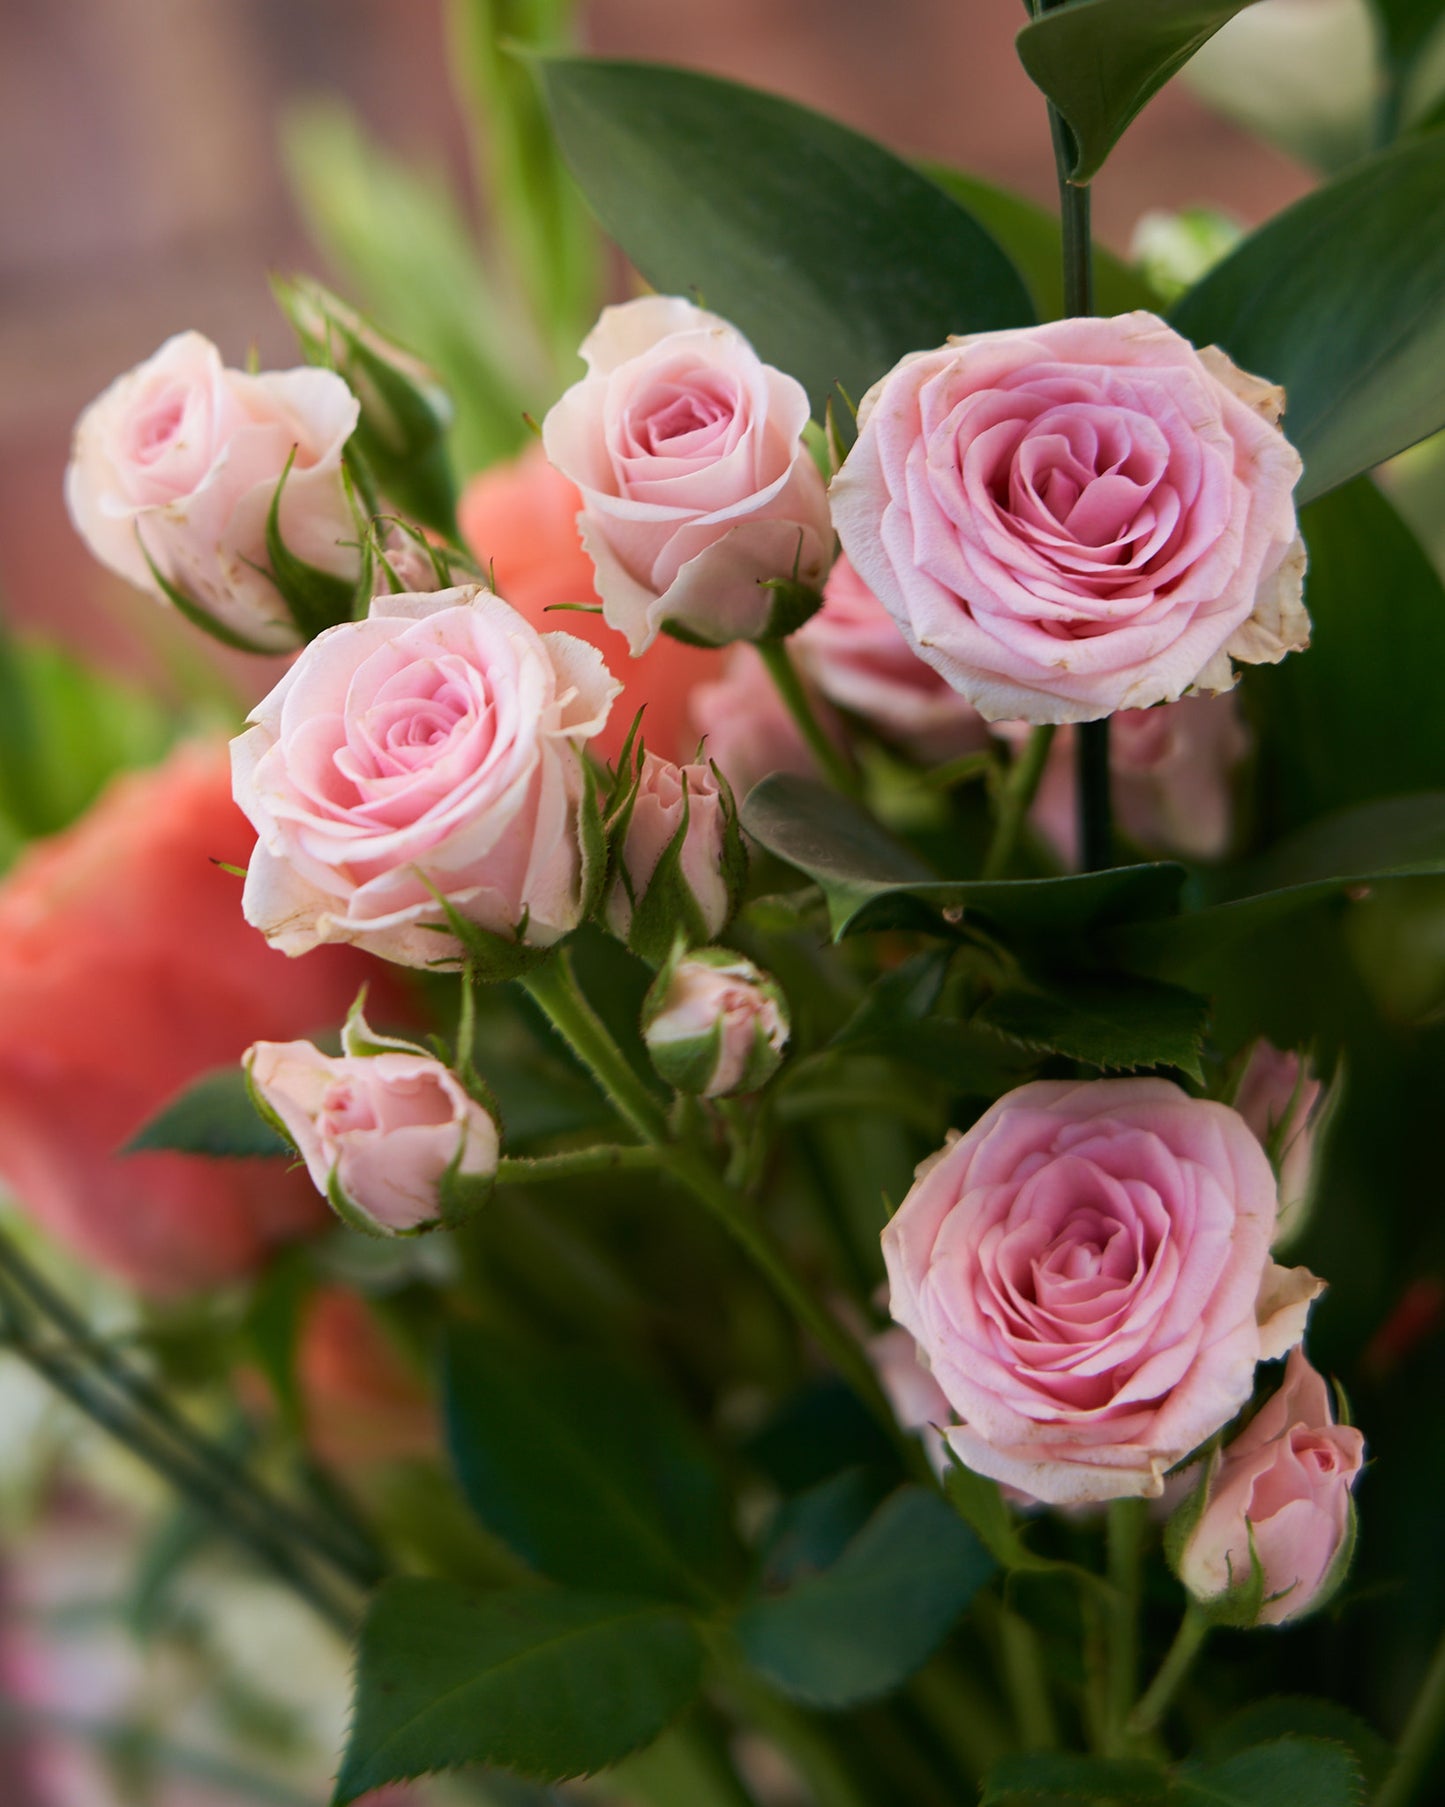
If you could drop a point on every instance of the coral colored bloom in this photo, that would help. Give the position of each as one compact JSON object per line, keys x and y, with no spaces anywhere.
{"x":520,"y":521}
{"x":1073,"y":519}
{"x":697,"y":489}
{"x":1087,"y":1274}
{"x":1287,"y":1478}
{"x":126,"y":971}
{"x":429,"y":752}
{"x":180,"y":459}
{"x":363,"y":1403}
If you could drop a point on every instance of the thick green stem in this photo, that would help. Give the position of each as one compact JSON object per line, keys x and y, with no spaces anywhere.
{"x":553,"y":988}
{"x":835,"y":766}
{"x":1095,"y":813}
{"x":1128,"y":1522}
{"x":1016,"y":799}
{"x":1421,"y":1740}
{"x":1156,"y":1699}
{"x":609,"y":1158}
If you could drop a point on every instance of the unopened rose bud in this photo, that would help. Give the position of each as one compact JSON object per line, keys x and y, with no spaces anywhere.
{"x":681,"y":863}
{"x":1267,"y":1535}
{"x":714,"y":1024}
{"x":405,"y":411}
{"x":1289,"y":1108}
{"x":391,"y":1137}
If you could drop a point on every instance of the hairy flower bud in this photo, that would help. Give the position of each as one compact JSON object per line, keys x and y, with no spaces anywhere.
{"x":714,"y":1024}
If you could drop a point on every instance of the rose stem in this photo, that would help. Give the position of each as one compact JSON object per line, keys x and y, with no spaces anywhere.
{"x":346,"y":1553}
{"x":836,"y":768}
{"x":200,"y":1488}
{"x":1421,"y":1738}
{"x":1127,"y":1523}
{"x":1155,"y":1701}
{"x":1017,"y":798}
{"x":553,"y":988}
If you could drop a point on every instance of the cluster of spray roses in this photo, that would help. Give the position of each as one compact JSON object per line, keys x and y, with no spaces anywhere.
{"x":1042,"y":526}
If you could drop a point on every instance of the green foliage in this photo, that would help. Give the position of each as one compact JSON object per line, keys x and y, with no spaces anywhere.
{"x":1049,"y":1779}
{"x":1408,"y":25}
{"x":1341,"y":298}
{"x":1289,"y":1772}
{"x":861,"y":1627}
{"x":1297,"y":1716}
{"x":1117,"y":1024}
{"x":588,"y":1473}
{"x":832,"y":255}
{"x":213,"y":1116}
{"x":1100,"y":61}
{"x":550,"y":1683}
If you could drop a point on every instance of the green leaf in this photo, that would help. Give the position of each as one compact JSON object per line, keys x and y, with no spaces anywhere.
{"x":212,"y":1116}
{"x":1341,"y":298}
{"x":1290,"y":1772}
{"x":552,"y":1684}
{"x":1353,"y":720}
{"x":861,"y":1628}
{"x":272,"y":1327}
{"x":1032,"y":237}
{"x":1408,"y":25}
{"x":832,"y":255}
{"x":589,"y":1474}
{"x":1117,"y":1024}
{"x":1047,"y":1779}
{"x":1299,"y":1716}
{"x":1100,"y":61}
{"x":979,"y":1503}
{"x":872,"y":881}
{"x":811,"y":1530}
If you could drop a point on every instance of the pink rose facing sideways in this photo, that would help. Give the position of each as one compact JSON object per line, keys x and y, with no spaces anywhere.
{"x":180,"y":459}
{"x":1087,"y":1274}
{"x":1287,"y":1479}
{"x":430,"y":751}
{"x":1073,"y":519}
{"x":696,"y":487}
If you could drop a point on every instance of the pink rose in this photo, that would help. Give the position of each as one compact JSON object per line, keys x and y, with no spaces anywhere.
{"x":1286,"y":1478}
{"x":430,"y":751}
{"x":696,"y":487}
{"x":745,"y":726}
{"x":680,"y":816}
{"x":1170,"y":768}
{"x":715,"y":1024}
{"x":1286,"y":1105}
{"x":1072,"y":519}
{"x":180,"y":459}
{"x":392,"y":1139}
{"x":856,"y":657}
{"x":1087,"y":1274}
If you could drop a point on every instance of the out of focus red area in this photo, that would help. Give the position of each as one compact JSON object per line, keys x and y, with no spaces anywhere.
{"x":144,"y":190}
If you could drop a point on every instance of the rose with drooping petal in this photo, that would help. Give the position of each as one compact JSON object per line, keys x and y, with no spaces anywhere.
{"x":697,"y":490}
{"x":856,"y":657}
{"x":1087,"y":1273}
{"x":677,"y":836}
{"x":431,"y":752}
{"x":714,"y":1023}
{"x":1073,"y":519}
{"x":392,"y":1139}
{"x":179,"y":460}
{"x":1285,"y":1484}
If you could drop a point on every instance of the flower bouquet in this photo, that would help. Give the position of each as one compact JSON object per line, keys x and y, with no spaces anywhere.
{"x":863,"y":932}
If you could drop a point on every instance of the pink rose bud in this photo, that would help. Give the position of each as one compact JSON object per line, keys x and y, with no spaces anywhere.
{"x":1289,"y":1108}
{"x":681,"y":864}
{"x":856,"y":657}
{"x":698,"y":494}
{"x":421,"y":770}
{"x":391,"y":1137}
{"x":172,"y":477}
{"x":714,"y":1024}
{"x":1087,"y":1273}
{"x":1072,"y":519}
{"x":1267,"y":1536}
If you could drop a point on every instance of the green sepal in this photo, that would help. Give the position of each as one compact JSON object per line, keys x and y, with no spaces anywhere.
{"x":1241,"y":1603}
{"x":352,"y":1215}
{"x":360,"y":1041}
{"x":762,"y":1062}
{"x":735,"y":848}
{"x":689,"y":1066}
{"x":198,"y":617}
{"x":461,"y":1195}
{"x":793,"y":604}
{"x":316,"y":599}
{"x":264,"y":1110}
{"x":491,"y":958}
{"x":667,"y":909}
{"x":593,"y":840}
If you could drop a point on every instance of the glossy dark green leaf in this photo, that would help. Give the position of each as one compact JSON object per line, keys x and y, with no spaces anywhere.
{"x":1057,"y":1779}
{"x":1033,"y":239}
{"x":588,"y":1473}
{"x":212,"y":1116}
{"x":1341,"y":298}
{"x":1301,"y":1716}
{"x":862,"y":1627}
{"x":1116,"y":1024}
{"x":552,"y":1684}
{"x":871,"y":881}
{"x":1290,"y":1772}
{"x":1100,"y":61}
{"x":1352,"y":719}
{"x":834,"y":256}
